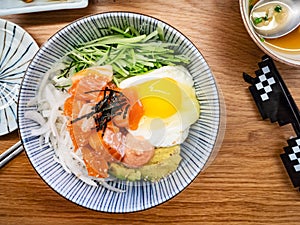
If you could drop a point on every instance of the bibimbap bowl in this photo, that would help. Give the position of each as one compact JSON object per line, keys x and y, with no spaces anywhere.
{"x":172,"y":130}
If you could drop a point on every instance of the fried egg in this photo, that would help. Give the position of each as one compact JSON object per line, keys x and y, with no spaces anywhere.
{"x":168,"y":102}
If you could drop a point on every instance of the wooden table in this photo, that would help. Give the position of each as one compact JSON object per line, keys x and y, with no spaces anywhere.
{"x":245,"y":184}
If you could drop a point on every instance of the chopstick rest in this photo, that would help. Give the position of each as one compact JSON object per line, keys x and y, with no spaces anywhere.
{"x":275,"y":102}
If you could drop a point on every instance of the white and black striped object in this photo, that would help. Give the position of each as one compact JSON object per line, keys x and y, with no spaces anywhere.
{"x":17,"y":48}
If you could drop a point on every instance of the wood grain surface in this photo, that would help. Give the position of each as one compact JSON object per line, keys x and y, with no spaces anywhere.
{"x":245,"y":184}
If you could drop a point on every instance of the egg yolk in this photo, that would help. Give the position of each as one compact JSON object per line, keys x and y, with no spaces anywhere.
{"x":156,"y":107}
{"x":160,"y":98}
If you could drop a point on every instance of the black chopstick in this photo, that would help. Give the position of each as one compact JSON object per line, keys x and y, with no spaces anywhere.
{"x":10,"y":153}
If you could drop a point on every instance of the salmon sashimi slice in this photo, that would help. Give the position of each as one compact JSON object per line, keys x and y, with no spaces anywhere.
{"x":68,"y":106}
{"x":96,"y":143}
{"x":79,"y":138}
{"x":86,"y":86}
{"x":87,"y":83}
{"x":138,"y":151}
{"x":113,"y":141}
{"x":95,"y":100}
{"x":80,"y":130}
{"x":95,"y":164}
{"x":104,"y":71}
{"x":133,"y":113}
{"x":72,"y":107}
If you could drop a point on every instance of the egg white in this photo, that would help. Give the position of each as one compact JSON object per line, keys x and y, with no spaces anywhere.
{"x":178,"y":73}
{"x":164,"y":132}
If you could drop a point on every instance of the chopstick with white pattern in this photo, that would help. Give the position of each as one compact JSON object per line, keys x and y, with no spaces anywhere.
{"x":275,"y":102}
{"x":10,"y":153}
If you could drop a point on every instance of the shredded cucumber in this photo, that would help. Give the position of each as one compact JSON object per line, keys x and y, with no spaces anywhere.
{"x":129,"y":52}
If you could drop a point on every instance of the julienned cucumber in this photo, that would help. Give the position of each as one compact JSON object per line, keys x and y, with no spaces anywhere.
{"x":128,"y":51}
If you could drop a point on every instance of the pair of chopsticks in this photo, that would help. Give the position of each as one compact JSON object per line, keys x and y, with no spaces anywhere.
{"x":10,"y":153}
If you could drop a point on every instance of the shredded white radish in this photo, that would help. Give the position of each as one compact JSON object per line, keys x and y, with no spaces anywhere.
{"x":32,"y":101}
{"x":77,"y":156}
{"x":53,"y":130}
{"x":106,"y":185}
{"x":40,"y":131}
{"x":47,"y":137}
{"x":46,"y":113}
{"x":35,"y":116}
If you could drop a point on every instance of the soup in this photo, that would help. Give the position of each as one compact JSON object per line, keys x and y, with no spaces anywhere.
{"x":289,"y":42}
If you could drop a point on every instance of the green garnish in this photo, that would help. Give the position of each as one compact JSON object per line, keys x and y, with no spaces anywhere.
{"x":128,"y":51}
{"x":257,"y":20}
{"x":251,"y":5}
{"x":278,"y":8}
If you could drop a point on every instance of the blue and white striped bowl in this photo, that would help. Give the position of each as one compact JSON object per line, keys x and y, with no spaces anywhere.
{"x":17,"y":48}
{"x":196,"y":150}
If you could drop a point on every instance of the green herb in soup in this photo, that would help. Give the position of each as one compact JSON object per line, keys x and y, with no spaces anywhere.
{"x":251,"y":4}
{"x":278,"y":8}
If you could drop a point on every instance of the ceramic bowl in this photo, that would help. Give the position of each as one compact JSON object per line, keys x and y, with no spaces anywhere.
{"x":283,"y":55}
{"x":17,"y":49}
{"x":197,"y":151}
